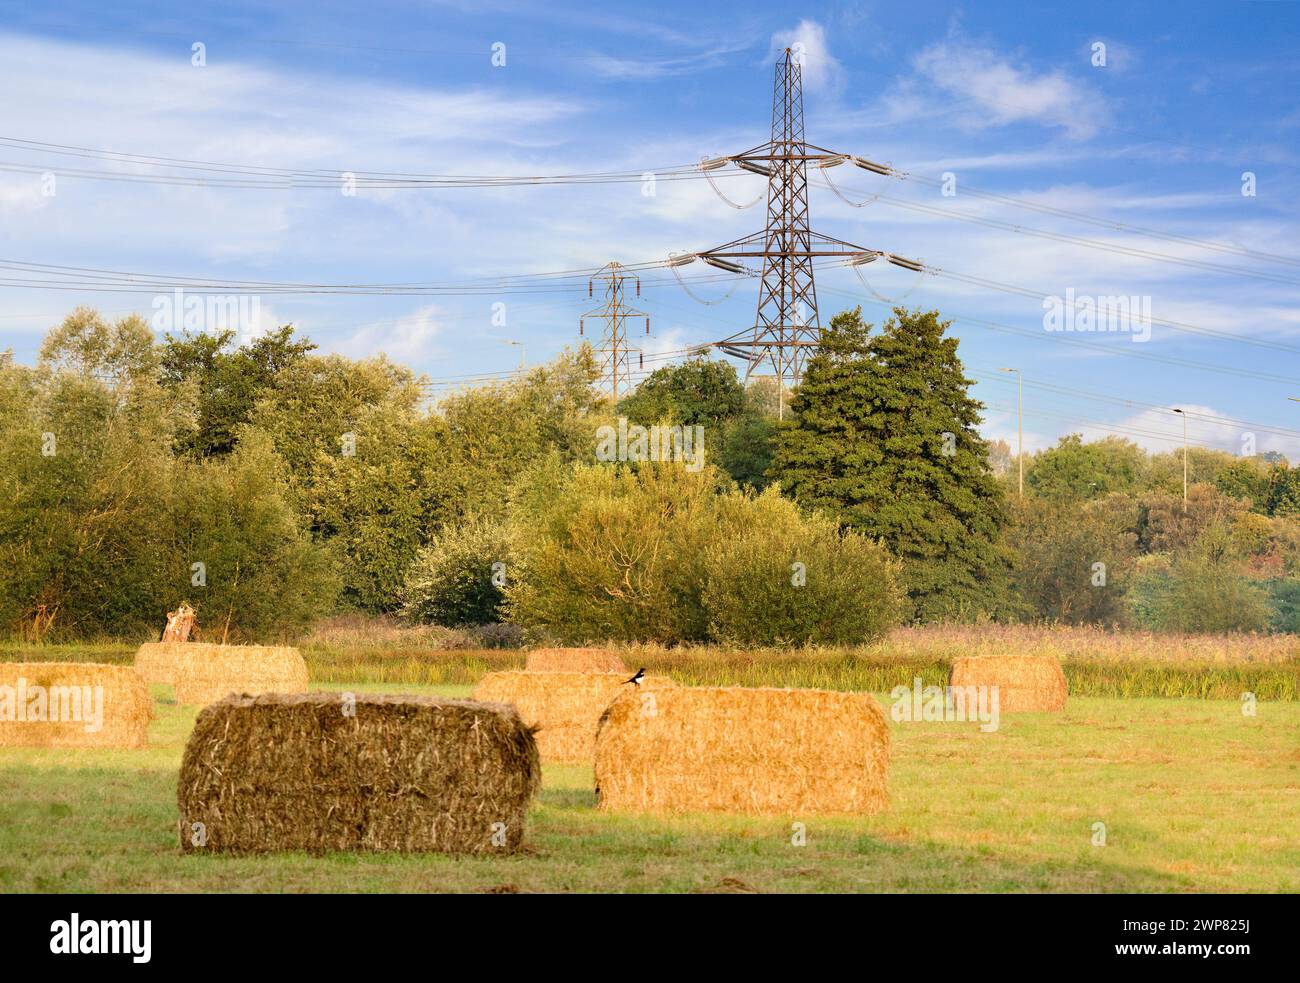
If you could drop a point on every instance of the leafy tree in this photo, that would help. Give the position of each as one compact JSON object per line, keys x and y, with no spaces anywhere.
{"x":453,"y":581}
{"x":747,"y":447}
{"x":1284,"y":491}
{"x":85,"y":480}
{"x":1206,"y":590}
{"x":263,"y":577}
{"x":1074,"y":470}
{"x":1166,"y":526}
{"x":699,"y":390}
{"x":739,"y":424}
{"x":1245,"y":478}
{"x":613,"y":552}
{"x":885,"y":441}
{"x":1073,"y":560}
{"x":223,"y":384}
{"x":1165,"y":471}
{"x":780,"y":578}
{"x":495,"y":433}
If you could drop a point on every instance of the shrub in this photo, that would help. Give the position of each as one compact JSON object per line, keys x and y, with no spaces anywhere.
{"x":661,"y":554}
{"x":614,"y":553}
{"x":452,"y":581}
{"x":784,"y":579}
{"x":1206,"y":590}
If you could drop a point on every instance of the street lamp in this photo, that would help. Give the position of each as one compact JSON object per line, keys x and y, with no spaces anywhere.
{"x":521,"y":353}
{"x":1020,"y":427}
{"x":1184,"y":416}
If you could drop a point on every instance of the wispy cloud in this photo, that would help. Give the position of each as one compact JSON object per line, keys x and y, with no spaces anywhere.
{"x":807,"y":41}
{"x":993,"y":91}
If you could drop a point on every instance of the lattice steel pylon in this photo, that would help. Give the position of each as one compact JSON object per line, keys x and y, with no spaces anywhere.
{"x":614,"y":352}
{"x":787,"y":327}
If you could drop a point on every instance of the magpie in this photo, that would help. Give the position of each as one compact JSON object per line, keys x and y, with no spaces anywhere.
{"x":636,"y":680}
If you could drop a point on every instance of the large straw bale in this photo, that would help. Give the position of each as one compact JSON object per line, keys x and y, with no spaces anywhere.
{"x":73,"y":704}
{"x":328,"y":771}
{"x":758,"y":751}
{"x":564,"y":708}
{"x":203,"y":672}
{"x":574,"y":660}
{"x":1026,"y":683}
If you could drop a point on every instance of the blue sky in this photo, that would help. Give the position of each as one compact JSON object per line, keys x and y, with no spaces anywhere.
{"x":1005,"y":97}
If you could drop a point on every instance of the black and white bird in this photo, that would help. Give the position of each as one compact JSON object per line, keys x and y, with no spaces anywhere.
{"x":636,"y":680}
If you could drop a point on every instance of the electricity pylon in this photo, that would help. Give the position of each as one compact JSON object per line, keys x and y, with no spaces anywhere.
{"x":787,"y":327}
{"x":614,"y":351}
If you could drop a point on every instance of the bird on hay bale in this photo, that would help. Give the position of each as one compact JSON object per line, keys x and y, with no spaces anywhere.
{"x":636,"y":680}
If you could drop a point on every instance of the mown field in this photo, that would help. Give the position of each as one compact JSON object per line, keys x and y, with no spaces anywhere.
{"x":1195,"y":795}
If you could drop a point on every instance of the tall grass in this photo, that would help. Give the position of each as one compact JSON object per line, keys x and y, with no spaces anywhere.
{"x":1096,"y":662}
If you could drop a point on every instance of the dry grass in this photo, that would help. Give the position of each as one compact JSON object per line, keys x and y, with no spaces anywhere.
{"x":565,"y":707}
{"x":1071,"y":643}
{"x":73,"y":705}
{"x":1025,"y":683}
{"x":319,"y":773}
{"x":203,"y":673}
{"x":755,"y":751}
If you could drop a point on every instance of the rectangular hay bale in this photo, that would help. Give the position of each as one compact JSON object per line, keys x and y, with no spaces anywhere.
{"x":329,"y":772}
{"x":204,"y":672}
{"x":564,"y":708}
{"x":574,"y":660}
{"x":757,"y":751}
{"x":1025,"y":683}
{"x":73,"y":705}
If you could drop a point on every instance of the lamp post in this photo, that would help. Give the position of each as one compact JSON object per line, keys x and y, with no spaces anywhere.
{"x":1184,"y":416}
{"x":521,"y":354}
{"x":1020,"y":428}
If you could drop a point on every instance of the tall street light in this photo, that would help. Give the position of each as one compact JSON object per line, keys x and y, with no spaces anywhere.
{"x":521,"y":353}
{"x":1020,"y":427}
{"x":1184,"y":416}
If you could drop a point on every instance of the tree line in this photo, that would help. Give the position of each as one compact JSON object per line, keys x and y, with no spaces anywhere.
{"x":270,"y":484}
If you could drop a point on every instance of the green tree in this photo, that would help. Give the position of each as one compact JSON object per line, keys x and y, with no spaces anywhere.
{"x":884,"y":439}
{"x":1207,"y":590}
{"x":223,"y":384}
{"x":1284,"y":491}
{"x":1073,"y":560}
{"x":455,"y":580}
{"x":1073,"y":470}
{"x":84,"y":453}
{"x":1245,"y":478}
{"x":701,"y":391}
{"x":613,"y":552}
{"x":263,"y":579}
{"x":776,"y":577}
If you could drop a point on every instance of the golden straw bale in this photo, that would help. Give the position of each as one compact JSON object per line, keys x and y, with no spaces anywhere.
{"x":564,"y":707}
{"x":335,"y":771}
{"x":1026,"y":683}
{"x":203,"y":673}
{"x":757,"y":751}
{"x":574,"y":660}
{"x":73,"y":704}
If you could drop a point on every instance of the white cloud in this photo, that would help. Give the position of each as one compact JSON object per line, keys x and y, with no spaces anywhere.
{"x":821,"y":70}
{"x":996,"y":92}
{"x":410,"y":339}
{"x":1161,"y":430}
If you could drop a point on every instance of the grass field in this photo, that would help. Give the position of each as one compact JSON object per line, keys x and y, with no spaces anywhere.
{"x":1195,"y":797}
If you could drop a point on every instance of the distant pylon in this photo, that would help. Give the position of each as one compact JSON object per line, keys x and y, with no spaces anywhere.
{"x":614,"y":352}
{"x":787,"y":326}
